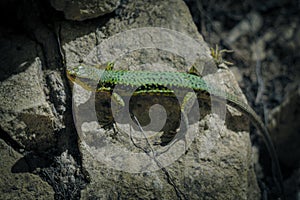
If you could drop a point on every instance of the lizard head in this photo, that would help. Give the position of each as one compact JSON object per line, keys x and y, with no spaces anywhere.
{"x":74,"y":72}
{"x":86,"y":77}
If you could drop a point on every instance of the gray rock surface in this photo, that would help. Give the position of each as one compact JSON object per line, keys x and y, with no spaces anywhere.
{"x":29,"y":120}
{"x":85,"y":9}
{"x":25,"y":113}
{"x":142,"y":35}
{"x":17,"y":185}
{"x":218,"y":162}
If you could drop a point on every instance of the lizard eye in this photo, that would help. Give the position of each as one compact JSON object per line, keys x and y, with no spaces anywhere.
{"x":73,"y":71}
{"x":77,"y":69}
{"x":80,"y":67}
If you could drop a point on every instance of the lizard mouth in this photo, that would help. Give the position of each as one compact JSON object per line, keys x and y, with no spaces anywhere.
{"x":83,"y":82}
{"x":71,"y":76}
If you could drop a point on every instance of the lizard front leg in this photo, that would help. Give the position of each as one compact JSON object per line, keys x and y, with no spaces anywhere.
{"x":186,"y":106}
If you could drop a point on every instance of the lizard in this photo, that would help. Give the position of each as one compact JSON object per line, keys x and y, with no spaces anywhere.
{"x":149,"y":82}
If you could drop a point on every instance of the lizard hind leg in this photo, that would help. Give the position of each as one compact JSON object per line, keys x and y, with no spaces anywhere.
{"x":188,"y":101}
{"x":117,"y":107}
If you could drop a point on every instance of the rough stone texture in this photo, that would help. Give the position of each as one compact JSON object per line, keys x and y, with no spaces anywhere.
{"x":33,"y":102}
{"x":25,"y":113}
{"x":17,"y":185}
{"x":218,"y":163}
{"x":85,"y":9}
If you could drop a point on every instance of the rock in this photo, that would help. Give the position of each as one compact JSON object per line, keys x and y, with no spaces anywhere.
{"x":81,"y":10}
{"x":218,"y":160}
{"x":17,"y":185}
{"x":25,"y":113}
